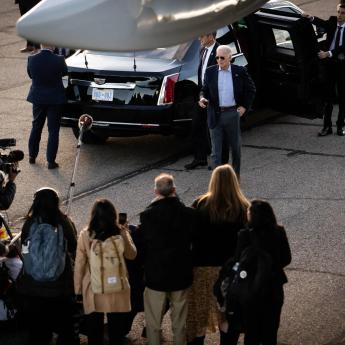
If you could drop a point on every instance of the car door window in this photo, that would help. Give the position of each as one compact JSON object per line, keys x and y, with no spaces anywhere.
{"x":283,"y":41}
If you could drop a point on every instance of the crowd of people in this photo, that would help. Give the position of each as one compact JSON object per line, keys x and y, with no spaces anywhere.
{"x":178,"y":251}
{"x":181,"y":259}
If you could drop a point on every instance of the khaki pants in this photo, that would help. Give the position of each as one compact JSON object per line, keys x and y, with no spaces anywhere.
{"x":154,"y":304}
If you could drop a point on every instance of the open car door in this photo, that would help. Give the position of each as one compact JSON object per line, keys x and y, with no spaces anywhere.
{"x":284,"y":63}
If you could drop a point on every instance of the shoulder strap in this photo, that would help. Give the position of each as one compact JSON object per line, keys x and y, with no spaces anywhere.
{"x":120,"y":261}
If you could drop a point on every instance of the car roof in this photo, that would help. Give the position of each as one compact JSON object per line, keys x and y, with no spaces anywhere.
{"x":276,"y":4}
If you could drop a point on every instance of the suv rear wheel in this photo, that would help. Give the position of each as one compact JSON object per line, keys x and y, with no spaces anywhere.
{"x":91,"y":137}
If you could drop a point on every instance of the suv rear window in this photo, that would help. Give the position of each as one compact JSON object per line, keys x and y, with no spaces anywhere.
{"x":170,"y":53}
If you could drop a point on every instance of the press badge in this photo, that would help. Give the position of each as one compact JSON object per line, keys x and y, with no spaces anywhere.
{"x":112,"y":280}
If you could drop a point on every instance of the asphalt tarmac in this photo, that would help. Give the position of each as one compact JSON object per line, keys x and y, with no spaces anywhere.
{"x":283,"y":161}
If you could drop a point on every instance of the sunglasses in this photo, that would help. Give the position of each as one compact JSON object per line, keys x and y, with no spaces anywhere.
{"x":220,"y":58}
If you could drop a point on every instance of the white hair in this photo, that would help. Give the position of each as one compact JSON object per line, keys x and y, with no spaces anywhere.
{"x":225,"y":49}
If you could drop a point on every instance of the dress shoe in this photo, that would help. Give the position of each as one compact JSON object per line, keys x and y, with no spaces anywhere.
{"x":52,"y":165}
{"x":325,"y":131}
{"x":209,"y":168}
{"x":32,"y":160}
{"x":27,"y":49}
{"x":340,"y":132}
{"x":195,"y":163}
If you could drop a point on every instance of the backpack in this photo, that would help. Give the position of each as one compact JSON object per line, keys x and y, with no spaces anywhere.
{"x":243,"y":285}
{"x":44,"y":252}
{"x":107,"y":265}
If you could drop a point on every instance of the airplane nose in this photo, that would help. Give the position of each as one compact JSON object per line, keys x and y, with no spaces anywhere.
{"x":124,"y":25}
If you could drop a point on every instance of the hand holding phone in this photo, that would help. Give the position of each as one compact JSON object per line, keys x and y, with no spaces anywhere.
{"x":122,"y":218}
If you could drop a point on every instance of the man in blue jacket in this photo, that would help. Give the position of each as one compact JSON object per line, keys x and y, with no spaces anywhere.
{"x":47,"y":96}
{"x":228,"y":92}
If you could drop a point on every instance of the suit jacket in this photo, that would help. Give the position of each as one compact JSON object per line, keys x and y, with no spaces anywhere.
{"x":330,"y":26}
{"x":211,"y":61}
{"x":46,"y":71}
{"x":244,"y":91}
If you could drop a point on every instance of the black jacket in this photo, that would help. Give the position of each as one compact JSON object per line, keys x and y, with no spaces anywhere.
{"x":213,"y":243}
{"x":330,"y":26}
{"x":244,"y":91}
{"x":166,"y":227}
{"x":46,"y":70}
{"x":275,"y":242}
{"x":7,"y":195}
{"x":211,"y":61}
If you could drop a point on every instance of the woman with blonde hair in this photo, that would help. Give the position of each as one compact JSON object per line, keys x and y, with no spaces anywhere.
{"x":222,"y":212}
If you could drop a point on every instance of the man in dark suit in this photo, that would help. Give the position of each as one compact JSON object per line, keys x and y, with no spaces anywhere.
{"x":228,"y":92}
{"x":199,"y":132}
{"x":333,"y":56}
{"x":47,"y":95}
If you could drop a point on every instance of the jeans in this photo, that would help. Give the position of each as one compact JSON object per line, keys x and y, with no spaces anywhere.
{"x":228,"y":125}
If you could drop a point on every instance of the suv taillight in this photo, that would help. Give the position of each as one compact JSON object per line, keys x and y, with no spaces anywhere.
{"x":166,"y":95}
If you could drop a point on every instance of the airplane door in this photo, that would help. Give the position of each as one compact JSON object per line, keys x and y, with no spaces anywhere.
{"x":285,"y":49}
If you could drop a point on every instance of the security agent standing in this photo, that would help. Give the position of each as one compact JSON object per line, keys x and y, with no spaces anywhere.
{"x":334,"y":59}
{"x":199,"y":133}
{"x":228,"y":92}
{"x":47,"y":95}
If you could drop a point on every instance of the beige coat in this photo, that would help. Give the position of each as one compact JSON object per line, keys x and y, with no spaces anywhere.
{"x":102,"y":303}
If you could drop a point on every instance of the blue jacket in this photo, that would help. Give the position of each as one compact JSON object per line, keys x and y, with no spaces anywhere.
{"x":46,"y":71}
{"x":244,"y":91}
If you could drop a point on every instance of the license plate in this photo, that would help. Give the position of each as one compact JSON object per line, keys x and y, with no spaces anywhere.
{"x":102,"y":94}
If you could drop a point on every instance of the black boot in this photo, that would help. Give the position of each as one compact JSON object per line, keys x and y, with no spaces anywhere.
{"x":230,"y":338}
{"x":197,"y":341}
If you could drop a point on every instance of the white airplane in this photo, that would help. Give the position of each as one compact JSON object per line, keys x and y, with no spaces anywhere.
{"x":126,"y":25}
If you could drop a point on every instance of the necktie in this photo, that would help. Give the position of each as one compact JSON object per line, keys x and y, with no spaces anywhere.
{"x":203,"y":57}
{"x":337,"y":37}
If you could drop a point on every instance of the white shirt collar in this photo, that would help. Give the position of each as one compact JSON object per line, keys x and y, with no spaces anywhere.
{"x":229,"y":69}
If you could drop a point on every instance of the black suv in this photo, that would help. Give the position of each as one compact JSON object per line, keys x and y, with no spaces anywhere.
{"x":153,"y":91}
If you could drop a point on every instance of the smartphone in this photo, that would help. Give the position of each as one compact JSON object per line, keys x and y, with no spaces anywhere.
{"x":122,"y":218}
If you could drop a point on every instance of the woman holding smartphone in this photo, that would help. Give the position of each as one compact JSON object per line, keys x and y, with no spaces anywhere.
{"x":104,"y":237}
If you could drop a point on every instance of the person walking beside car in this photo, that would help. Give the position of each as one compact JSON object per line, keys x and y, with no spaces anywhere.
{"x":221,"y":213}
{"x":100,"y":274}
{"x":334,"y":58}
{"x":228,"y":93}
{"x":166,"y":227}
{"x":47,"y":96}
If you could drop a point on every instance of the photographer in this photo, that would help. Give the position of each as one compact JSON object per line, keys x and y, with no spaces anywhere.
{"x":8,"y":190}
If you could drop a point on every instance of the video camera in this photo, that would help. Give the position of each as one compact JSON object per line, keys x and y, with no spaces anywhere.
{"x":8,"y":162}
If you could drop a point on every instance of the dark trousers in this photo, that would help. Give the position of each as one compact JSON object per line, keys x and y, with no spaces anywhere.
{"x":43,"y":316}
{"x":200,"y":137}
{"x":335,"y":84}
{"x":199,"y":134}
{"x":95,"y":327}
{"x":228,"y":126}
{"x":40,"y":113}
{"x":263,"y":329}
